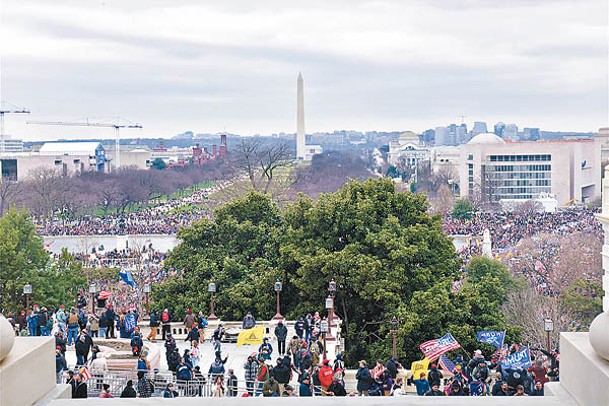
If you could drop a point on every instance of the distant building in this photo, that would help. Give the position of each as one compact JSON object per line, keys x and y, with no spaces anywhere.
{"x":409,"y":148}
{"x":9,"y":145}
{"x":493,"y":169}
{"x":139,"y":157}
{"x":428,"y":136}
{"x":531,"y":134}
{"x":510,"y":132}
{"x":67,"y":158}
{"x":479,"y":128}
{"x":442,"y":136}
{"x":446,"y":158}
{"x":499,"y":128}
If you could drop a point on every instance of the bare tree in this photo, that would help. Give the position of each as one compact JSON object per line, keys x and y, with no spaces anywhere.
{"x":557,"y":261}
{"x":9,"y":190}
{"x":48,"y":189}
{"x":261,"y":162}
{"x":528,"y":309}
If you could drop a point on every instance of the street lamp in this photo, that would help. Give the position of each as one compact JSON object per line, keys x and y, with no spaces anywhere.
{"x":27,"y":291}
{"x":278,"y":287}
{"x":394,"y":331}
{"x":330,"y":307}
{"x":92,"y":291}
{"x":332,"y":290}
{"x":548,"y":326}
{"x":147,"y":293}
{"x":324,"y":331}
{"x":211,"y":288}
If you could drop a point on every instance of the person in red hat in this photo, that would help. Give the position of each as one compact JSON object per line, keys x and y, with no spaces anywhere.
{"x":326,"y":372}
{"x":189,"y":320}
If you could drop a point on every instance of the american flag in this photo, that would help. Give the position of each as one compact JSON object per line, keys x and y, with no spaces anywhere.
{"x":434,"y":348}
{"x":85,"y":373}
{"x":446,"y":364}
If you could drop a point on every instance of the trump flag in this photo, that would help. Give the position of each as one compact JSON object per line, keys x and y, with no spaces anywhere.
{"x":434,"y":348}
{"x":521,"y":359}
{"x":492,"y":337}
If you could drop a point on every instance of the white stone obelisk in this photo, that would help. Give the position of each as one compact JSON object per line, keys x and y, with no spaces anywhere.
{"x":300,"y":120}
{"x":599,"y":329}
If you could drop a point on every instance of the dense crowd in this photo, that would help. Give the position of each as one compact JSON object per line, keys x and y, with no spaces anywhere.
{"x":294,"y":366}
{"x":507,"y":229}
{"x":166,"y":219}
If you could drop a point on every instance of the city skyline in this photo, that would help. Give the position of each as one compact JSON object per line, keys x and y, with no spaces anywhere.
{"x":385,"y":66}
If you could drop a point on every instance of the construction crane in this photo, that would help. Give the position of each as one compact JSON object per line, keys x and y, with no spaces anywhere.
{"x":87,"y":123}
{"x":2,"y":113}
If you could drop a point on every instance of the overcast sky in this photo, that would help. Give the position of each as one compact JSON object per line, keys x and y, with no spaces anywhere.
{"x":209,"y":66}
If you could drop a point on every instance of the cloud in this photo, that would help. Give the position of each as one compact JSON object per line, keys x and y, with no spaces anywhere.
{"x":177,"y":65}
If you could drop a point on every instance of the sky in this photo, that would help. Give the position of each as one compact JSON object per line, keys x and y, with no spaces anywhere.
{"x":213,"y":66}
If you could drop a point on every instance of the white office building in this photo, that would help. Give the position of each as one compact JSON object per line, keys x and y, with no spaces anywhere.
{"x":494,"y":169}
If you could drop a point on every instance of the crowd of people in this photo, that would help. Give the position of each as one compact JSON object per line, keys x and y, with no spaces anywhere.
{"x":165,"y":218}
{"x":508,"y":228}
{"x":296,"y":366}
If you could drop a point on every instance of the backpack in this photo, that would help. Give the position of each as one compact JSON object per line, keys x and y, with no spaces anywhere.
{"x":165,"y":317}
{"x":73,"y":319}
{"x":50,"y":324}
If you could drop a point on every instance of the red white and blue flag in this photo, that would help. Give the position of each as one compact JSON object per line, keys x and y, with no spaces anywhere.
{"x":446,"y":364}
{"x":434,"y":348}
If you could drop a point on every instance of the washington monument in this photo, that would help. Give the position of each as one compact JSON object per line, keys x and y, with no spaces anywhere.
{"x":300,"y":121}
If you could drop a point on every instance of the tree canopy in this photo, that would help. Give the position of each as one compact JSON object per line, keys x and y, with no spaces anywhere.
{"x":388,"y":256}
{"x":23,"y":260}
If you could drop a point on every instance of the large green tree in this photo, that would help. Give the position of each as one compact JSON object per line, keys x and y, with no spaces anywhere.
{"x":238,"y":251}
{"x":388,"y":256}
{"x":22,"y":254}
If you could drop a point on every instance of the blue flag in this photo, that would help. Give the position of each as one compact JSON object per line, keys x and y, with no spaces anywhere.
{"x":519,"y":359}
{"x":130,"y":322}
{"x":492,"y":337}
{"x":127,"y":277}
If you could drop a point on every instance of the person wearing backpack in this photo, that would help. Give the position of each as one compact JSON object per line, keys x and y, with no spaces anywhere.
{"x":304,"y":357}
{"x":72,"y":327}
{"x":203,"y":323}
{"x":364,"y":379}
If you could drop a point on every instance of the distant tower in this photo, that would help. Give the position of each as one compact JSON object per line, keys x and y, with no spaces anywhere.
{"x":300,"y":120}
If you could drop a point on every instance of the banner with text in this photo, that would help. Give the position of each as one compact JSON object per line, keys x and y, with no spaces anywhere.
{"x":492,"y":337}
{"x":419,"y":367}
{"x":519,"y":359}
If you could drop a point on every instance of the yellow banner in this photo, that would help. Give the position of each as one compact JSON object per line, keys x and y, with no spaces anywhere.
{"x":419,"y":367}
{"x":251,"y":336}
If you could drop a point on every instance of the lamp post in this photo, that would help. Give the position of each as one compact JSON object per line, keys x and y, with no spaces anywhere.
{"x":548,"y":326}
{"x":278,"y":287}
{"x":147,"y":294}
{"x":329,"y":307}
{"x":332,"y":290}
{"x":394,"y":332}
{"x":211,"y":288}
{"x":92,"y":291}
{"x":27,"y":291}
{"x":324,"y":331}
